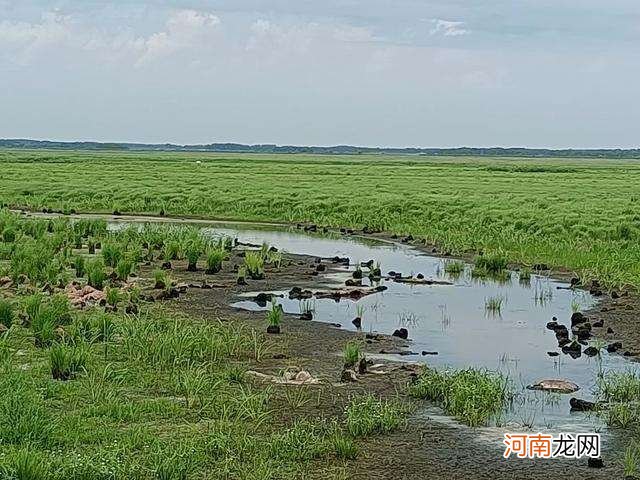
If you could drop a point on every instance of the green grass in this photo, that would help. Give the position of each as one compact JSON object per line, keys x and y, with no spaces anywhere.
{"x":494,"y":304}
{"x":7,"y":313}
{"x":254,"y":265}
{"x":351,"y":354}
{"x":274,"y":315}
{"x":473,"y":396}
{"x":580,"y":214}
{"x":368,"y":415}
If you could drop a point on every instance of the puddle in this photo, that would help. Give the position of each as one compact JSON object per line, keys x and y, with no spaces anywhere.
{"x":452,"y":319}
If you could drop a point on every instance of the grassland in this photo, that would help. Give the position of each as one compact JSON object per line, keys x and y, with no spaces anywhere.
{"x":579,"y":214}
{"x":118,"y":387}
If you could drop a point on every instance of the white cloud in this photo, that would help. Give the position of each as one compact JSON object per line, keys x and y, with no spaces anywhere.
{"x":448,"y":28}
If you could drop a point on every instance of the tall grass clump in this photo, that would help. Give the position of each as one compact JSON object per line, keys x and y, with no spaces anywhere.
{"x":494,"y":304}
{"x":491,"y":263}
{"x":274,"y":315}
{"x":65,"y":362}
{"x":351,"y":354}
{"x":79,"y":265}
{"x":472,"y":396}
{"x":7,"y":313}
{"x":192,"y":252}
{"x":254,"y":264}
{"x":367,"y":414}
{"x":112,"y":253}
{"x":161,"y":279}
{"x":454,"y":268}
{"x":124,"y":269}
{"x":24,"y":419}
{"x":215,"y":256}
{"x":96,"y":275}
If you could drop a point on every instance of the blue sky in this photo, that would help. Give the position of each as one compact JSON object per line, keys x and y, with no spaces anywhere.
{"x":536,"y":73}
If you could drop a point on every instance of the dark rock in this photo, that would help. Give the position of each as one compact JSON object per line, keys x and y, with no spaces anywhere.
{"x":357,"y":274}
{"x":553,"y":354}
{"x":401,"y":333}
{"x":614,"y":347}
{"x":241,"y":281}
{"x":578,"y":405}
{"x":575,"y":281}
{"x":306,"y":316}
{"x":615,"y":294}
{"x":166,"y":266}
{"x":595,"y":462}
{"x":349,"y":282}
{"x":357,"y":322}
{"x":273,"y":329}
{"x":598,"y":324}
{"x":368,"y":264}
{"x":609,"y":330}
{"x":279,"y":356}
{"x":577,"y":318}
{"x":320,"y":267}
{"x":540,"y":266}
{"x":348,"y":376}
{"x":132,"y":309}
{"x":425,"y":352}
{"x":628,"y":354}
{"x":262,"y":298}
{"x":591,"y":351}
{"x":362,"y":366}
{"x":553,"y":325}
{"x":572,"y":349}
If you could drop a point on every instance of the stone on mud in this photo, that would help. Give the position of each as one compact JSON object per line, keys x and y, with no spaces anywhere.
{"x":555,"y":385}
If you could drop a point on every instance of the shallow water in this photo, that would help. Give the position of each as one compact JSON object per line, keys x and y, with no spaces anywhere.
{"x":452,"y":319}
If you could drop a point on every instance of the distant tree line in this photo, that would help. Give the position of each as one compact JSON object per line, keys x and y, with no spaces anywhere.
{"x":333,"y":150}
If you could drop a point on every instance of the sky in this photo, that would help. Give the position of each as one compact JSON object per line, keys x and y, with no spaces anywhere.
{"x":401,"y":73}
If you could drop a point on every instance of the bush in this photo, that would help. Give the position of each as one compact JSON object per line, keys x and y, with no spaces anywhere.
{"x":161,"y":279}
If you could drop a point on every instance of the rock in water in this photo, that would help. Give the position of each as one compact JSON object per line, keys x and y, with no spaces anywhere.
{"x":559,"y":386}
